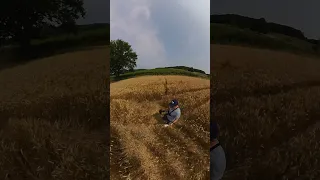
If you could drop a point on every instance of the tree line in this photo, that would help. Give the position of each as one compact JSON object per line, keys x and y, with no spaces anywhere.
{"x":190,"y":69}
{"x":21,"y":21}
{"x":259,"y":25}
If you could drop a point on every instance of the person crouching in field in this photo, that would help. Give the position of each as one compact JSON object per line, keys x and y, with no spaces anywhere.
{"x":172,"y":114}
{"x":217,"y":155}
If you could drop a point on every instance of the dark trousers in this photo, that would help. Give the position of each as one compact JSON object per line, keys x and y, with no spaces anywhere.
{"x":165,"y":119}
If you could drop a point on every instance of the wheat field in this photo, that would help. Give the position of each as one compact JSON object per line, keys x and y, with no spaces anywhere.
{"x":268,"y":106}
{"x":141,"y":147}
{"x":54,"y":119}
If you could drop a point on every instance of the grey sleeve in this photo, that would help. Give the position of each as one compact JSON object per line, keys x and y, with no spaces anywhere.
{"x":176,"y":115}
{"x":217,"y":163}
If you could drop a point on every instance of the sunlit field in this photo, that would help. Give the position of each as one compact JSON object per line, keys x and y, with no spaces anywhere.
{"x":268,"y":106}
{"x":141,"y":147}
{"x":54,"y":118}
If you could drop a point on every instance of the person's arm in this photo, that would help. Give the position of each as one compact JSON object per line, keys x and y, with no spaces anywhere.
{"x":213,"y":143}
{"x":163,"y":111}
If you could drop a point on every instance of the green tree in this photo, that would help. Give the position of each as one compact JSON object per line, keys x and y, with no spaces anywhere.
{"x":122,"y":57}
{"x":23,"y":20}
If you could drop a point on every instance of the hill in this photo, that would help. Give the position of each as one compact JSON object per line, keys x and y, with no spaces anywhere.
{"x":51,"y":33}
{"x":228,"y":34}
{"x":191,"y":69}
{"x":55,"y":41}
{"x":176,"y":70}
{"x":258,"y":25}
{"x":48,"y":32}
{"x":236,"y":29}
{"x":85,"y":35}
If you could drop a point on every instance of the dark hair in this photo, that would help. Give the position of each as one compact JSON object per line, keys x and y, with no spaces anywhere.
{"x":214,"y":130}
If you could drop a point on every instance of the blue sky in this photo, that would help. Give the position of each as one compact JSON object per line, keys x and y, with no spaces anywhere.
{"x":164,"y":33}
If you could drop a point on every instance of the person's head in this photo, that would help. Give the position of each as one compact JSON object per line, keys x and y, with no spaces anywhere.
{"x":174,"y":103}
{"x":214,"y":130}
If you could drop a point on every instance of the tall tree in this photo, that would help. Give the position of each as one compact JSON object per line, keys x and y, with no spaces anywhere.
{"x":22,"y":20}
{"x":122,"y":57}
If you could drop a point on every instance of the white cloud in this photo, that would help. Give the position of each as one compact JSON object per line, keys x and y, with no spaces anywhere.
{"x":131,"y":22}
{"x":164,"y":32}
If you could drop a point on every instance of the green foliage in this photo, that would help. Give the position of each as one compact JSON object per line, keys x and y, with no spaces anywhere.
{"x":158,"y":71}
{"x":88,"y":36}
{"x":227,"y":34}
{"x":241,"y":30}
{"x":122,"y":57}
{"x":257,"y":25}
{"x":23,"y":20}
{"x":191,"y":69}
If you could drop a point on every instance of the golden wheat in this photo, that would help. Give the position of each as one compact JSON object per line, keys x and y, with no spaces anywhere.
{"x":54,"y":118}
{"x":141,"y":148}
{"x":265,"y":103}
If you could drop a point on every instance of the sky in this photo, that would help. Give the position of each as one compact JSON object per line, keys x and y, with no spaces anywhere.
{"x":98,"y":11}
{"x":164,"y":32}
{"x":302,"y":15}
